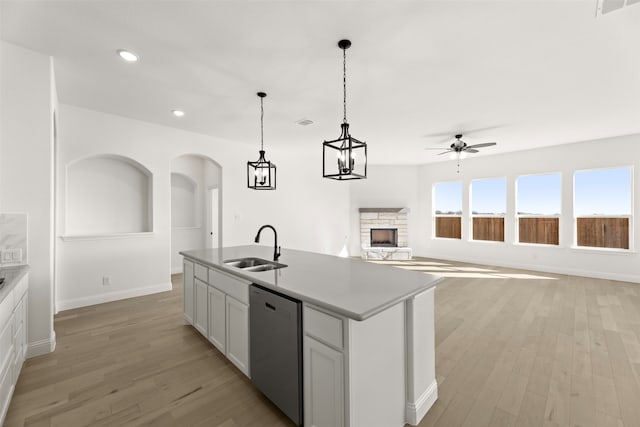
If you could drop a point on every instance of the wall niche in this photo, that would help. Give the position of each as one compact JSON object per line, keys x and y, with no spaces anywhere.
{"x":183,"y":201}
{"x":108,"y":194}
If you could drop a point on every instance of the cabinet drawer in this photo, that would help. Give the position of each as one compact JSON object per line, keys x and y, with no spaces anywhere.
{"x":323,"y":327}
{"x":6,"y":308}
{"x":6,"y":342}
{"x":6,"y":382}
{"x":19,"y":290}
{"x":232,"y":286}
{"x":200,"y":271}
{"x":19,"y":314}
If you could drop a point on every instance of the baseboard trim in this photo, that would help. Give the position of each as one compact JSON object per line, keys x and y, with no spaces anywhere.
{"x":40,"y":347}
{"x":417,"y":410}
{"x":112,"y":296}
{"x":541,"y":268}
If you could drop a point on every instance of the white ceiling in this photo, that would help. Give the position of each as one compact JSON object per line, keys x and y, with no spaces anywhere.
{"x":530,"y":73}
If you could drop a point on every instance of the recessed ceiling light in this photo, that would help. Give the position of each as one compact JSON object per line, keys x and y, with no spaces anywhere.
{"x":178,"y":113}
{"x":127,"y":56}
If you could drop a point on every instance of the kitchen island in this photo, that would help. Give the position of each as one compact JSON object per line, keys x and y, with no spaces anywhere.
{"x":368,"y":330}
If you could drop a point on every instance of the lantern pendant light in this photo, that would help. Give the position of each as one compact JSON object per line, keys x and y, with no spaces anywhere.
{"x":346,"y":157}
{"x":261,"y":174}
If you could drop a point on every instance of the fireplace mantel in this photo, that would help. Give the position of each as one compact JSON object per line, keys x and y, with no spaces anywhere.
{"x":385,"y":210}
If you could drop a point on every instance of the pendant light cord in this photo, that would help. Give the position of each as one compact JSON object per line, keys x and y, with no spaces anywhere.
{"x":344,"y":83}
{"x":261,"y":124}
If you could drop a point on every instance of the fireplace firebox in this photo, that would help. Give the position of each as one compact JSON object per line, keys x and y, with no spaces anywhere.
{"x":384,"y":237}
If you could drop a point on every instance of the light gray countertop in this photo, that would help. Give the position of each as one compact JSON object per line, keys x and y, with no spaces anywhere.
{"x":350,"y":287}
{"x":11,"y":276}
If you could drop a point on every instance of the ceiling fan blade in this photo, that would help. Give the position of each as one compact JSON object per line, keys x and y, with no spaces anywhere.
{"x":471,"y":150}
{"x":445,"y":152}
{"x":484,"y":144}
{"x":434,"y":148}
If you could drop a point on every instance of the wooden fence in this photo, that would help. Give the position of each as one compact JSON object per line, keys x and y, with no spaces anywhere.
{"x":603,"y":232}
{"x":488,"y":228}
{"x":538,"y":230}
{"x":449,"y":227}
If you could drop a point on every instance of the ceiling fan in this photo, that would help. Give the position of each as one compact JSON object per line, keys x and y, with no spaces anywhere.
{"x":459,"y":149}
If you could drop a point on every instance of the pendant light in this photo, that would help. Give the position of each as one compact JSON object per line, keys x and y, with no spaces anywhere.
{"x":261,"y":174}
{"x":346,"y":157}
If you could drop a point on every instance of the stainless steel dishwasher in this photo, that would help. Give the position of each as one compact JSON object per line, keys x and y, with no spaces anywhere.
{"x":276,"y":349}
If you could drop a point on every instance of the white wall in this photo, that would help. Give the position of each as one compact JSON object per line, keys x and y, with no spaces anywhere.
{"x":190,"y":213}
{"x":566,"y":159}
{"x":26,"y":173}
{"x":386,"y":187}
{"x":308,"y":211}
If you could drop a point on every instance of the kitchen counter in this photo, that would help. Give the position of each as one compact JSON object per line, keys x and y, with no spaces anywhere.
{"x":12,"y":276}
{"x":351,"y":310}
{"x":350,"y":287}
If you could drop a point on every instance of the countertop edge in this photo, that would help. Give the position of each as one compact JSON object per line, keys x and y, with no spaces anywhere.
{"x":306,"y":299}
{"x":8,"y":286}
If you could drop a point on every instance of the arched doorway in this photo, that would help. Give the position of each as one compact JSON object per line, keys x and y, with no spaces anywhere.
{"x":195,"y":205}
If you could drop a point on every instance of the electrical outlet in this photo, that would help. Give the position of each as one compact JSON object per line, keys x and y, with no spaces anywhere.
{"x":106,"y":280}
{"x":17,"y":255}
{"x":11,"y":255}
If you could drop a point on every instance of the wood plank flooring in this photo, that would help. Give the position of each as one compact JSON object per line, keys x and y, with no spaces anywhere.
{"x":513,"y":348}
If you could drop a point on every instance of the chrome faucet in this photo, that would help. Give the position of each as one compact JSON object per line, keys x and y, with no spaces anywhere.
{"x":276,"y":248}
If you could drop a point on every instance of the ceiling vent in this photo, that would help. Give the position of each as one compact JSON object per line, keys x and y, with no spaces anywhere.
{"x":605,"y":6}
{"x":304,"y":122}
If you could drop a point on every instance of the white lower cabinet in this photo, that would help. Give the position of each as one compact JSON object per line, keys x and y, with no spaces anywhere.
{"x":217,"y":319}
{"x":201,"y":311}
{"x":13,"y":341}
{"x":238,"y":333}
{"x":324,"y":369}
{"x":323,"y":385}
{"x":219,"y":310}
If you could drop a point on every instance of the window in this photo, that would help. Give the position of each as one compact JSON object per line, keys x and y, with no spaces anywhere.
{"x":539,"y":205}
{"x":602,"y":207}
{"x":488,"y":208}
{"x":447,"y":202}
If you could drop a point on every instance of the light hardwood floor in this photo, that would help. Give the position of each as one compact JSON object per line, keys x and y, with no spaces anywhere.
{"x":513,"y":348}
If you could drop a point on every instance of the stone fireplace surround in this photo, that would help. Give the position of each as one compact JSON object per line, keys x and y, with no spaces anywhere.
{"x":384,"y":218}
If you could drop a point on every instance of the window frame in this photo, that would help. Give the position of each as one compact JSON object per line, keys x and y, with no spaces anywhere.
{"x":629,"y":217}
{"x":435,"y":215}
{"x":503,"y":216}
{"x":518,"y":216}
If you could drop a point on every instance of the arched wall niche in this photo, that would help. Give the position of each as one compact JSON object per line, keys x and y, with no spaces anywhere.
{"x":108,"y":194}
{"x":183,"y":201}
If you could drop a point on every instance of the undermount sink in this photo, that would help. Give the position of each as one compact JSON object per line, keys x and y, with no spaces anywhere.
{"x":254,"y":264}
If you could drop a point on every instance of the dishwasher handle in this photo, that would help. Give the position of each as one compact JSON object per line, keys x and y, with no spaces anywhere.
{"x":269,"y":306}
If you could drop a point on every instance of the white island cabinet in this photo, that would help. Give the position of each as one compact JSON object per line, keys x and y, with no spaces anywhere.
{"x":217,"y":305}
{"x":368,"y":344}
{"x":13,"y":331}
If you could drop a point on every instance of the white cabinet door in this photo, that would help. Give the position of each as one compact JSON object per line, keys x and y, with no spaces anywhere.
{"x":187,"y":270}
{"x":200,"y":315}
{"x":238,"y":334}
{"x":217,"y":318}
{"x":323,"y":385}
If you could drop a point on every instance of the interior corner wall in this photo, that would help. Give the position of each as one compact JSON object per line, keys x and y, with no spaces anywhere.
{"x":564,"y":259}
{"x":308,"y":211}
{"x":193,"y":236}
{"x":386,"y":187}
{"x":26,"y":171}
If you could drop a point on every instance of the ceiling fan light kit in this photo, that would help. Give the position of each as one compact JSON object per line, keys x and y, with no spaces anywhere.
{"x":261,"y":174}
{"x":344,"y":158}
{"x":459,"y":149}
